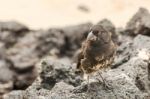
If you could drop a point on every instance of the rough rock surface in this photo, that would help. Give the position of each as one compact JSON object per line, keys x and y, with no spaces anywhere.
{"x":6,"y":77}
{"x":74,"y":35}
{"x":21,"y":49}
{"x":128,"y":81}
{"x":11,"y":31}
{"x":54,"y":71}
{"x":139,"y":23}
{"x":12,"y":26}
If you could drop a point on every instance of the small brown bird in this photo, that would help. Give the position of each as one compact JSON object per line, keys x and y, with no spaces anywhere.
{"x":97,"y":51}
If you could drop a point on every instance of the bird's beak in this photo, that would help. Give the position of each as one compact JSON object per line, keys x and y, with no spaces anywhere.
{"x":91,"y":36}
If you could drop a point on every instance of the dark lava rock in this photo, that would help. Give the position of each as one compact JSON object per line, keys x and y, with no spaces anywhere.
{"x":2,"y":50}
{"x":139,"y":23}
{"x":54,"y":72}
{"x":33,"y":93}
{"x":6,"y":76}
{"x":28,"y":51}
{"x":142,"y":42}
{"x":34,"y":45}
{"x":24,"y":78}
{"x":51,"y":42}
{"x":11,"y":31}
{"x":12,"y":79}
{"x":12,"y":26}
{"x":74,"y":36}
{"x":5,"y":72}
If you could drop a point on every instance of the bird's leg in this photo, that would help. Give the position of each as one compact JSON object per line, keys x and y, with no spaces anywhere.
{"x":106,"y":85}
{"x":88,"y":85}
{"x":104,"y":81}
{"x":87,"y":77}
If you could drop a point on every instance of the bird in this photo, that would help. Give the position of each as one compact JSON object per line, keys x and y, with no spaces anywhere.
{"x":97,"y":51}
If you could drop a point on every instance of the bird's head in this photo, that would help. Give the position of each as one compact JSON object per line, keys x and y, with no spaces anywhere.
{"x":98,"y":34}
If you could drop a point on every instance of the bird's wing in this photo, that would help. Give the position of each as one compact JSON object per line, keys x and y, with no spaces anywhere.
{"x":80,"y":55}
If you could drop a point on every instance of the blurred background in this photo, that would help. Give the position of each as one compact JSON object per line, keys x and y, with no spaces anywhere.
{"x":48,"y":13}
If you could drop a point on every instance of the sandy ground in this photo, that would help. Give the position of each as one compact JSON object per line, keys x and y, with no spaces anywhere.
{"x":51,"y":13}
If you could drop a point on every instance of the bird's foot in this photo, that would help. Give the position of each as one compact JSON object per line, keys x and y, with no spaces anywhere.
{"x":106,"y":86}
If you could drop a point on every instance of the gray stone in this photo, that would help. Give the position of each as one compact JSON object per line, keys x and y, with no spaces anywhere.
{"x":53,"y":72}
{"x":139,"y":23}
{"x":11,"y":31}
{"x":12,"y":26}
{"x":74,"y":36}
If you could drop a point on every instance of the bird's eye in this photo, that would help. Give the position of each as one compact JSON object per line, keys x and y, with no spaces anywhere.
{"x":95,"y":32}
